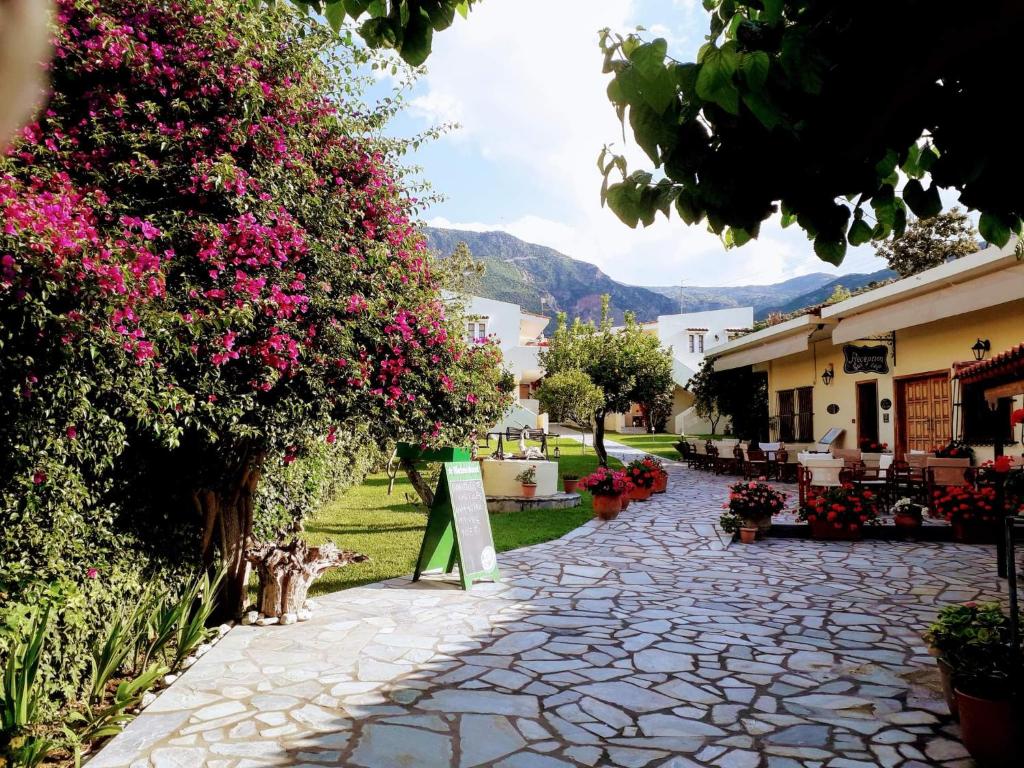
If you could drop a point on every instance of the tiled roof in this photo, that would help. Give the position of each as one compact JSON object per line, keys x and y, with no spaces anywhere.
{"x":1009,"y":362}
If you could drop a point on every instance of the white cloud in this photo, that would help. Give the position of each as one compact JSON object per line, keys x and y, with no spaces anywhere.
{"x":524,"y":79}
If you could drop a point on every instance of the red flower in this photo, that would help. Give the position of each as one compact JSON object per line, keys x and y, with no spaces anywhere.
{"x":92,"y":573}
{"x":39,"y":477}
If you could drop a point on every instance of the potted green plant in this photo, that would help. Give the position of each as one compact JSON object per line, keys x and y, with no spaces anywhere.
{"x":528,"y":481}
{"x":569,"y":483}
{"x":970,"y":511}
{"x":974,"y":640}
{"x":607,"y":487}
{"x":643,"y":478}
{"x":907,"y":515}
{"x":754,"y":502}
{"x":838,"y":513}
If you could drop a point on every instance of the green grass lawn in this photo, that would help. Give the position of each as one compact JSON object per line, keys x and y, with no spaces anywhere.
{"x":389,"y":528}
{"x":658,"y":444}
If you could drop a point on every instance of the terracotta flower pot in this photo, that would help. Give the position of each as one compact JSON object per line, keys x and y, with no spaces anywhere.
{"x":606,"y":507}
{"x":748,"y":535}
{"x":624,"y":500}
{"x":907,"y":522}
{"x":946,"y":678}
{"x":823,"y":530}
{"x":987,"y":729}
{"x":973,"y":533}
{"x":529,"y":491}
{"x":569,"y":484}
{"x":639,"y":493}
{"x":661,"y":483}
{"x":762,"y":524}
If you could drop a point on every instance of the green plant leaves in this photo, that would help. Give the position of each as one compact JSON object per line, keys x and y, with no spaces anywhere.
{"x":754,"y":66}
{"x":830,"y":249}
{"x":994,"y":229}
{"x":925,"y":203}
{"x":714,"y":80}
{"x":860,"y":233}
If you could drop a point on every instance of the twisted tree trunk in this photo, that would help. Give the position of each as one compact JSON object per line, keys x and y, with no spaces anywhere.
{"x":286,"y":571}
{"x":599,"y":449}
{"x":424,"y":490}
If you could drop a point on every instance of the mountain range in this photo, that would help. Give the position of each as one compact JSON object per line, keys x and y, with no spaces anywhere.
{"x":544,"y":281}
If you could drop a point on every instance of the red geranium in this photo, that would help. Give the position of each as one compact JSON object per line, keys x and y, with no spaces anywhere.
{"x":847,"y":506}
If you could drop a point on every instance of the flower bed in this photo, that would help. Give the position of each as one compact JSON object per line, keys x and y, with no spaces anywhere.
{"x":752,"y":503}
{"x":971,"y":511}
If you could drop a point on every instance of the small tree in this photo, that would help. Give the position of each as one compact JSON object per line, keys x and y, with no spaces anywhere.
{"x":628,"y":365}
{"x":570,"y":397}
{"x":930,"y":242}
{"x":705,"y":395}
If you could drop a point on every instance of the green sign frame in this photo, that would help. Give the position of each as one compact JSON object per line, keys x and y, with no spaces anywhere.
{"x":459,"y":528}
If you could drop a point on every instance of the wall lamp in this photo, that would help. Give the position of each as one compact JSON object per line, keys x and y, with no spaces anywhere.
{"x":828,"y":374}
{"x":981,"y":346}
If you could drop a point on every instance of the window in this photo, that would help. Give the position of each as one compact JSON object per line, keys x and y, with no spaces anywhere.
{"x":700,"y":343}
{"x":981,"y":424}
{"x":796,"y":416}
{"x":692,"y":342}
{"x":477,"y":331}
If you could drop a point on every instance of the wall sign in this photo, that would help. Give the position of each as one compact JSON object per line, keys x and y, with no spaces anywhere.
{"x":832,"y":409}
{"x":865,"y":359}
{"x":886,"y":403}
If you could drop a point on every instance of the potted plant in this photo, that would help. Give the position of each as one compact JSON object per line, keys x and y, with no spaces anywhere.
{"x":974,"y":641}
{"x":660,"y":475}
{"x":838,"y":513}
{"x":907,"y":515}
{"x":642,"y":476}
{"x":627,"y":488}
{"x":871,"y":451}
{"x":754,"y":502}
{"x":955,"y":449}
{"x":528,"y":481}
{"x":569,"y":483}
{"x":970,"y":511}
{"x":606,"y":486}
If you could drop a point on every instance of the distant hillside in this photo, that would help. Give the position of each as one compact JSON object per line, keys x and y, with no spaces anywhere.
{"x":821,"y":294}
{"x":696,"y":298}
{"x":524,"y":273}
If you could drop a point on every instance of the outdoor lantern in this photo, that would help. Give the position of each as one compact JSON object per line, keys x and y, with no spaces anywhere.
{"x":981,"y":346}
{"x":557,"y":452}
{"x":828,"y":374}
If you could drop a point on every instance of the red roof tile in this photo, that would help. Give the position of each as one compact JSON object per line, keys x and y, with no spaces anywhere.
{"x":1005,"y":363}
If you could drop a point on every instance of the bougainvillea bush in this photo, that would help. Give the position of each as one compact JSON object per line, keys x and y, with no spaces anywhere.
{"x":207,"y":268}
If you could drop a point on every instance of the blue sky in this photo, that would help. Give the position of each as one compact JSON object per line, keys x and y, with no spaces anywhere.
{"x":523,"y":78}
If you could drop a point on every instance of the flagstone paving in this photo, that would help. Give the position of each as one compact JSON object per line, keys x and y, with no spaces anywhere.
{"x":644,"y":641}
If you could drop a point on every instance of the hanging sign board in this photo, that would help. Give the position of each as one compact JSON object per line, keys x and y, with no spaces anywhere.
{"x":865,"y":359}
{"x":459,"y":528}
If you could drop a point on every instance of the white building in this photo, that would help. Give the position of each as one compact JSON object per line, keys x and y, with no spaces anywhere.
{"x":520,"y":336}
{"x":688,"y":335}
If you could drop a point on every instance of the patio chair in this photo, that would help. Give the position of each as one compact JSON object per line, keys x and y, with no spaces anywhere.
{"x":902,"y":480}
{"x":785,"y":472}
{"x":945,"y":473}
{"x":850,"y":456}
{"x":819,"y":473}
{"x":756,"y":464}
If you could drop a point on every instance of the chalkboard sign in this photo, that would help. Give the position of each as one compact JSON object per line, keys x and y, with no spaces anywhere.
{"x":865,"y":359}
{"x":459,"y":528}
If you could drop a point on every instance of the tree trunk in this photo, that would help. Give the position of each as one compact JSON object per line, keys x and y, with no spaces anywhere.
{"x":599,"y":449}
{"x":425,"y":492}
{"x":286,"y":572}
{"x":227,"y":515}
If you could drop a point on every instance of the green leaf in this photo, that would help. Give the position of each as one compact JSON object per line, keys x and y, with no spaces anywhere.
{"x":335,"y":14}
{"x":624,"y":202}
{"x":911,"y":166}
{"x":887,"y":164}
{"x":994,"y":229}
{"x":860,"y":233}
{"x":762,"y":109}
{"x":772,"y":10}
{"x":686,"y":79}
{"x":688,"y":209}
{"x":754,"y":67}
{"x":647,"y":128}
{"x":417,"y":38}
{"x":714,"y":80}
{"x":649,"y":59}
{"x":830,"y":249}
{"x":929,"y":154}
{"x":924,"y":203}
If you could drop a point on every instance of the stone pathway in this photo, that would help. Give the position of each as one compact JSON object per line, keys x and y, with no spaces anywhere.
{"x":644,"y":641}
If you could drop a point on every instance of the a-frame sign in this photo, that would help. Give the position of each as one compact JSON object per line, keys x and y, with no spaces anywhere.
{"x":459,"y":528}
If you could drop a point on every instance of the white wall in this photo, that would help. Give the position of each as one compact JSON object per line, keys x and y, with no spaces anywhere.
{"x":672,"y":332}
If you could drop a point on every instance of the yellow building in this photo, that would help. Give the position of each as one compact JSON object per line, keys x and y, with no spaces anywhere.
{"x":883,"y":365}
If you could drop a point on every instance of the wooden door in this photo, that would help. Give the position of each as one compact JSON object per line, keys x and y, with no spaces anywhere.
{"x":924,"y":413}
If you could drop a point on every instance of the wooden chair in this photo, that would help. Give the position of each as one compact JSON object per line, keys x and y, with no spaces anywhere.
{"x":902,"y":480}
{"x":756,"y":464}
{"x":785,"y":472}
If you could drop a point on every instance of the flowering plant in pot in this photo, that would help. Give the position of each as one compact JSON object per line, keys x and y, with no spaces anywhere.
{"x":907,"y":514}
{"x":868,"y":445}
{"x":839,"y":512}
{"x":973,"y":642}
{"x":970,"y":511}
{"x":754,"y":502}
{"x":955,"y":449}
{"x":660,"y":475}
{"x":606,"y":486}
{"x":569,"y":483}
{"x":528,"y":480}
{"x":642,"y":477}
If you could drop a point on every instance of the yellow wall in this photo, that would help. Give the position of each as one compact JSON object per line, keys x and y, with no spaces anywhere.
{"x":921,"y":349}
